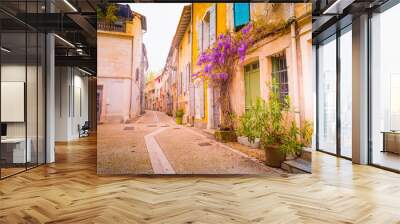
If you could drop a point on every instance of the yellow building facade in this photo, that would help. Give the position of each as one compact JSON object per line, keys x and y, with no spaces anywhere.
{"x":208,"y":21}
{"x":183,"y":44}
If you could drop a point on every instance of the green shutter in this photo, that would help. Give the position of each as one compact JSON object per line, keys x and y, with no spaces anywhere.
{"x":252,"y":84}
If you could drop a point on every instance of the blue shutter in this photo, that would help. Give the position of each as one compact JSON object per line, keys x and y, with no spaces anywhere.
{"x":241,"y":14}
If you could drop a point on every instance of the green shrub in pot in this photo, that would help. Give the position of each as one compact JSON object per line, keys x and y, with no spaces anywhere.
{"x":281,"y":136}
{"x":274,"y":130}
{"x":251,"y":122}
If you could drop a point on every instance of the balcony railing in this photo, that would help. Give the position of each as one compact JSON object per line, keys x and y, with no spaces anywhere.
{"x":113,"y":27}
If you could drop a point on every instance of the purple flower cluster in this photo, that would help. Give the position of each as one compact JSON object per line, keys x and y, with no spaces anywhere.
{"x":217,"y":60}
{"x":247,"y":29}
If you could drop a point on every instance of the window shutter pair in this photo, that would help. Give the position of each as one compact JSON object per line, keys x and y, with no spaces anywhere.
{"x":201,"y":96}
{"x":191,"y":99}
{"x":187,"y":77}
{"x":184,"y":80}
{"x":213,"y":28}
{"x":180,"y":84}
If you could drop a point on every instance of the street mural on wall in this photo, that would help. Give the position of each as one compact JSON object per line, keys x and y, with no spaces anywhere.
{"x":231,"y":94}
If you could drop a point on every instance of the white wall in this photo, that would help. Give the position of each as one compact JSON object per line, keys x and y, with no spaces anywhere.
{"x":71,"y":103}
{"x":12,"y":73}
{"x":33,"y":126}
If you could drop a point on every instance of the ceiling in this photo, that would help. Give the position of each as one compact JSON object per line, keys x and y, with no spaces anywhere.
{"x":330,"y":15}
{"x":74,"y":22}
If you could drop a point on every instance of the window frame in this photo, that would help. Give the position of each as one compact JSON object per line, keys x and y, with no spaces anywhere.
{"x":279,"y":75}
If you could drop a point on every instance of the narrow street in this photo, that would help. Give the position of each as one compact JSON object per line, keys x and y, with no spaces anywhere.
{"x":154,"y":144}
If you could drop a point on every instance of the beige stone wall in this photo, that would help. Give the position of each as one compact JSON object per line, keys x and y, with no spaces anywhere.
{"x":300,"y":81}
{"x":136,"y":64}
{"x":118,"y":57}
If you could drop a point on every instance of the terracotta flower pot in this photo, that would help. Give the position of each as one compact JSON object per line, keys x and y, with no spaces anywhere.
{"x":274,"y":156}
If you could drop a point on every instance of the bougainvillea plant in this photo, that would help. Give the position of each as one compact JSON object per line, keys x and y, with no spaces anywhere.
{"x":217,"y":65}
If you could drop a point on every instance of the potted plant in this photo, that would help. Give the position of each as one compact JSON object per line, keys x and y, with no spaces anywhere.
{"x":273,"y":133}
{"x":281,"y":137}
{"x":179,"y":116}
{"x":226,"y":131}
{"x":251,"y":124}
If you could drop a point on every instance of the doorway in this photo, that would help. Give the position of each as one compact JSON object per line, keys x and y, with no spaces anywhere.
{"x":99,"y":100}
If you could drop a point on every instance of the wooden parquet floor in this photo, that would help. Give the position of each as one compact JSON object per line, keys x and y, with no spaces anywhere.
{"x":69,"y":191}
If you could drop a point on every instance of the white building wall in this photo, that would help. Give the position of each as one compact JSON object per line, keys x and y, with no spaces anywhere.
{"x":71,"y":103}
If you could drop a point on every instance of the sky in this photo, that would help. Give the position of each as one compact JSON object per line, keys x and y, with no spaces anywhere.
{"x":162,"y":20}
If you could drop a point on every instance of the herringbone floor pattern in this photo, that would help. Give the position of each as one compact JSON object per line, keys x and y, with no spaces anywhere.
{"x":69,"y":191}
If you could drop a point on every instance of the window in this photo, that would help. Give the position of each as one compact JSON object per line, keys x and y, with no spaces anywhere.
{"x":241,"y":14}
{"x":346,"y":72}
{"x":189,"y":38}
{"x":188,"y":77}
{"x":180,"y":83}
{"x":22,"y":87}
{"x":279,"y":74}
{"x":385,"y":89}
{"x":206,"y":29}
{"x":184,"y":81}
{"x":252,"y":83}
{"x":327,"y":94}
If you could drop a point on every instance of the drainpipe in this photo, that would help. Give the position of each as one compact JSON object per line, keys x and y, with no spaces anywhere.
{"x":131,"y":84}
{"x":295,"y":72}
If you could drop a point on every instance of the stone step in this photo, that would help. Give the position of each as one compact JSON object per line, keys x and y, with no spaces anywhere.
{"x":306,"y":154}
{"x":297,"y":166}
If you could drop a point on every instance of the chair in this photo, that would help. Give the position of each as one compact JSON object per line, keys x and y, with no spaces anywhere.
{"x":84,"y":130}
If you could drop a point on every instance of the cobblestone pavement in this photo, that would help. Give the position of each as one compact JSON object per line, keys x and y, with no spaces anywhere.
{"x":155,"y":144}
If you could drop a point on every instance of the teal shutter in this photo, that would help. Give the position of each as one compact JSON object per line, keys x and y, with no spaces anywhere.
{"x":241,"y":12}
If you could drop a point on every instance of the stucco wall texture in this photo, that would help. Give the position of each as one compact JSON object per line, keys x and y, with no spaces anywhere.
{"x":118,"y":62}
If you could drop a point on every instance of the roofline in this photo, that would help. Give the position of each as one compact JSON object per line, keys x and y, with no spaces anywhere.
{"x":184,"y":22}
{"x":186,"y":12}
